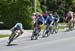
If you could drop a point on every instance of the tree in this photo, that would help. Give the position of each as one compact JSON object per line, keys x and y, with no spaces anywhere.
{"x":60,"y":6}
{"x":16,"y":10}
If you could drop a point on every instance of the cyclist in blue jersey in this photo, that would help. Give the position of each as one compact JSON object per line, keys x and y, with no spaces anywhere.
{"x":37,"y":26}
{"x":49,"y":22}
{"x":40,"y":21}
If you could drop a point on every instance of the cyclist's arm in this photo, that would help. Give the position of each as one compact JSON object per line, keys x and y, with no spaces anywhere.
{"x":43,"y":20}
{"x":52,"y":21}
{"x":33,"y":20}
{"x":12,"y":29}
{"x":16,"y":25}
{"x":46,"y":19}
{"x":58,"y":19}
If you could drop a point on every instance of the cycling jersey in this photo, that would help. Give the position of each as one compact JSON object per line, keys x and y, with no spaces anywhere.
{"x":49,"y":20}
{"x":19,"y":26}
{"x":70,"y":15}
{"x":40,"y":19}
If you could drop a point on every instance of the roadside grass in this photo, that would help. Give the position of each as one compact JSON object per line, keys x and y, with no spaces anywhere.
{"x":60,"y":27}
{"x":2,"y":36}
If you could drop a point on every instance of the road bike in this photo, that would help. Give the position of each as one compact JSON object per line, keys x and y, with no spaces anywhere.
{"x":14,"y":35}
{"x":47,"y":31}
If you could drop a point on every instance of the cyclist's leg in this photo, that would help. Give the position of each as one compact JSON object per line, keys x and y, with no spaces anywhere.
{"x":56,"y":26}
{"x":35,"y":25}
{"x":70,"y":25}
{"x":47,"y":28}
{"x":10,"y":36}
{"x":51,"y":28}
{"x":73,"y":24}
{"x":12,"y":33}
{"x":19,"y":34}
{"x":39,"y":28}
{"x":40,"y":25}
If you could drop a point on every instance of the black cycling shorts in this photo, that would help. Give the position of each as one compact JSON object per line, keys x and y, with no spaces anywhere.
{"x":55,"y":20}
{"x":48,"y":22}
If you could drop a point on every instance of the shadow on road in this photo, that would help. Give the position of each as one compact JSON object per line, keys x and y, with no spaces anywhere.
{"x":12,"y":45}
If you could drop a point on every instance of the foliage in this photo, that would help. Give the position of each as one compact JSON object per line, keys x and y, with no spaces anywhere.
{"x":1,"y":35}
{"x":16,"y":10}
{"x":60,"y":6}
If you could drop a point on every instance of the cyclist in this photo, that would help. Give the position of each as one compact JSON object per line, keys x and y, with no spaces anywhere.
{"x":40,"y":21}
{"x":49,"y":22}
{"x":56,"y":17}
{"x":45,"y":15}
{"x":17,"y":27}
{"x":35,"y":16}
{"x":56,"y":20}
{"x":69,"y":18}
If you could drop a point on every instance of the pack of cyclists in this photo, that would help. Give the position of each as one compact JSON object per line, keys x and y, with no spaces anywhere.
{"x":50,"y":20}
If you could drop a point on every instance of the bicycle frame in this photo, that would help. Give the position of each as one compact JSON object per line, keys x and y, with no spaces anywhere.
{"x":13,"y":36}
{"x":35,"y":33}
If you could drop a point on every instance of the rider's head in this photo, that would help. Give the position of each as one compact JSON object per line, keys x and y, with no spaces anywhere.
{"x":34,"y":14}
{"x":40,"y":15}
{"x":55,"y":13}
{"x":18,"y":21}
{"x":50,"y":14}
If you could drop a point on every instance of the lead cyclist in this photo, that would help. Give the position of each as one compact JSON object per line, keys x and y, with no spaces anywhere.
{"x":56,"y":20}
{"x":17,"y":27}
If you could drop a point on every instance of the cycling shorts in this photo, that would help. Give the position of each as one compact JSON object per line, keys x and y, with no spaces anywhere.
{"x":55,"y":20}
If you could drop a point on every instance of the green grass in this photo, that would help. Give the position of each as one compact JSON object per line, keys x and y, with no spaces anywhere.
{"x":1,"y":36}
{"x":62,"y":27}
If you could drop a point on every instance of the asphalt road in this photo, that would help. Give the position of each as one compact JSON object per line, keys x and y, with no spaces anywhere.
{"x":62,"y":41}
